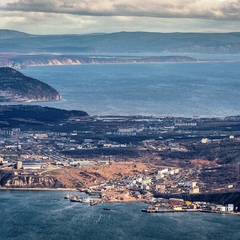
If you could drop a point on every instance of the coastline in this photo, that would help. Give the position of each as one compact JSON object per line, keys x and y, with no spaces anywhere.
{"x":188,"y":211}
{"x":119,"y":201}
{"x":120,"y":60}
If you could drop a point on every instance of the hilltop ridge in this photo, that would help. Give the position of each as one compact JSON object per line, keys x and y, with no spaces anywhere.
{"x":121,"y":42}
{"x":8,"y":34}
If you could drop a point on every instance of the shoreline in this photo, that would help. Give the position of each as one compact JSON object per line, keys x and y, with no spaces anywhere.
{"x":187,"y":211}
{"x":44,"y":104}
{"x":119,"y":201}
{"x":131,"y":61}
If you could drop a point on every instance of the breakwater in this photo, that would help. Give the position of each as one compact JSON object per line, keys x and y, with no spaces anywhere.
{"x":216,"y":197}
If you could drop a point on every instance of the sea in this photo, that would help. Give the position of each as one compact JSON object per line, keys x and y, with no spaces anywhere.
{"x":46,"y":215}
{"x":204,"y":89}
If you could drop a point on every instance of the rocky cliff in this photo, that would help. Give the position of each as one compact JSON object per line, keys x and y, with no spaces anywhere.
{"x":10,"y":180}
{"x":16,"y":87}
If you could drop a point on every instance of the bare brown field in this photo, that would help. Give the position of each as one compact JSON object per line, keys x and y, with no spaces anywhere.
{"x":90,"y":175}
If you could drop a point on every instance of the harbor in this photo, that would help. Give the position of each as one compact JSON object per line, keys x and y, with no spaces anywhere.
{"x":158,"y":205}
{"x":174,"y":205}
{"x":68,"y":220}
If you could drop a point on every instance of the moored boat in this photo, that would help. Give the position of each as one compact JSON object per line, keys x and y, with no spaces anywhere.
{"x":107,"y":209}
{"x":67,"y":196}
{"x":75,"y":199}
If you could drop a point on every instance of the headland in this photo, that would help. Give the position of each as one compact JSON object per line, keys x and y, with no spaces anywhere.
{"x":16,"y":87}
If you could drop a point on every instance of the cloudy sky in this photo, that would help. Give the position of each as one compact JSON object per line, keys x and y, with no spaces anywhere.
{"x":90,"y":16}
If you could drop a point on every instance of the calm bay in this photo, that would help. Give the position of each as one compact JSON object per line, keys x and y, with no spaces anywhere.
{"x":166,"y":89}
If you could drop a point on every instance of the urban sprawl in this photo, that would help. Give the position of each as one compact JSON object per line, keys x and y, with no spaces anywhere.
{"x":159,"y":160}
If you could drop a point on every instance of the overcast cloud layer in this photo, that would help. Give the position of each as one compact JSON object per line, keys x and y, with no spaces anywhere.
{"x":71,"y":16}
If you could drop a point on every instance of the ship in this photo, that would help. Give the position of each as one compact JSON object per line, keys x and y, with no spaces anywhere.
{"x":75,"y":199}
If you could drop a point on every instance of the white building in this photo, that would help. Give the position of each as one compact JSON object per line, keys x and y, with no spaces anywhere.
{"x":205,"y":140}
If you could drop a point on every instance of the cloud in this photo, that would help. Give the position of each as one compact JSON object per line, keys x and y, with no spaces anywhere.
{"x":86,"y":16}
{"x":54,"y":23}
{"x":48,"y":23}
{"x":232,"y":9}
{"x":200,"y":9}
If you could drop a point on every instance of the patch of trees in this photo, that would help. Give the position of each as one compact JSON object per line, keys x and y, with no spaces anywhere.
{"x":130,"y":139}
{"x":225,"y":152}
{"x":103,"y":152}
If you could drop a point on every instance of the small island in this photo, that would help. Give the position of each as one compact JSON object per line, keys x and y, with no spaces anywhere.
{"x":16,"y":87}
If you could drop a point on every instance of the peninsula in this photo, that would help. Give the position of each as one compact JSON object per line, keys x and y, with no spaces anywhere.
{"x":16,"y":87}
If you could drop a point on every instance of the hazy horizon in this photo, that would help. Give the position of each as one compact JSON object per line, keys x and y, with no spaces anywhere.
{"x":107,"y":16}
{"x":39,"y":34}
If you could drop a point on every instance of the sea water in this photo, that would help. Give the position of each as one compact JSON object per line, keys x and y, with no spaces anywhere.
{"x":164,"y":89}
{"x":46,"y":215}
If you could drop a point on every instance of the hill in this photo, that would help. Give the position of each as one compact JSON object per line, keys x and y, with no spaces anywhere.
{"x":16,"y":87}
{"x":121,"y":42}
{"x":8,"y":34}
{"x":26,"y":116}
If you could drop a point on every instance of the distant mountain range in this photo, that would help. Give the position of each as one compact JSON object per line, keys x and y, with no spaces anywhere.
{"x":20,"y":50}
{"x":120,"y":42}
{"x":16,"y":87}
